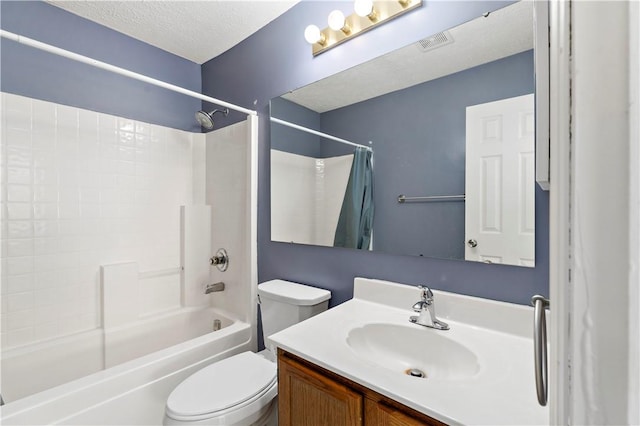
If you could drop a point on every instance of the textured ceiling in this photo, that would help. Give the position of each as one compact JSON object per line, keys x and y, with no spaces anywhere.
{"x":503,"y":33}
{"x":195,"y":30}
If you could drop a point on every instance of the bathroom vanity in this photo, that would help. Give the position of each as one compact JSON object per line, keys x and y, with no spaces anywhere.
{"x":360,"y":363}
{"x":308,"y":392}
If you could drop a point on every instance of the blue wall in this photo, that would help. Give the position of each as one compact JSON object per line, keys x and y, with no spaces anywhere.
{"x":296,"y":141}
{"x":292,"y":140}
{"x":419,"y":142}
{"x":276,"y":60}
{"x":33,"y":73}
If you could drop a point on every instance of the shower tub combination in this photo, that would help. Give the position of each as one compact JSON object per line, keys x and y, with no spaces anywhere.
{"x":133,"y":392}
{"x":157,"y":327}
{"x":123,"y":372}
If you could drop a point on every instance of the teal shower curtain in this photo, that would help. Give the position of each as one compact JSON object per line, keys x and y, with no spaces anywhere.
{"x":356,"y":216}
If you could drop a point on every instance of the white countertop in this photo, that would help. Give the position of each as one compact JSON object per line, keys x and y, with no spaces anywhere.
{"x":501,"y":392}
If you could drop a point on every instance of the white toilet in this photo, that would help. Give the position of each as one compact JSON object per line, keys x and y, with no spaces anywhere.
{"x":243,"y":389}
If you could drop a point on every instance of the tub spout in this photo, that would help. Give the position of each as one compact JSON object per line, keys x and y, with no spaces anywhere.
{"x":214,"y":287}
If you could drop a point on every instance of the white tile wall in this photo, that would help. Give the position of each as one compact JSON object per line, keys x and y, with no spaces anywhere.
{"x":80,"y":189}
{"x":332,"y":177}
{"x":228,"y":153}
{"x":293,"y":195}
{"x":196,"y":225}
{"x":306,"y":197}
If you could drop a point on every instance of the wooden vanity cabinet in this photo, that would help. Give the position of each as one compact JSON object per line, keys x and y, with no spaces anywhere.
{"x":309,"y":395}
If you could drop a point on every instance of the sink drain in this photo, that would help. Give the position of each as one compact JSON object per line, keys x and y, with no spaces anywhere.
{"x":414,"y":372}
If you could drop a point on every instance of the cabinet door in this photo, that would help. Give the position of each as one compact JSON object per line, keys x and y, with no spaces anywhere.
{"x":378,"y":413}
{"x":307,"y":398}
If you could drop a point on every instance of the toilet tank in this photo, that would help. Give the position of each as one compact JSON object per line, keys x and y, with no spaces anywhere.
{"x":283,"y":304}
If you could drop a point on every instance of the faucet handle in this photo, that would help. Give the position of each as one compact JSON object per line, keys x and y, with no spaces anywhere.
{"x":425,"y":293}
{"x":420,"y":306}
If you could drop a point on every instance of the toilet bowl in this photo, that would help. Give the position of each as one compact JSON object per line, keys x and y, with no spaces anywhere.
{"x":242,"y":390}
{"x":238,"y":390}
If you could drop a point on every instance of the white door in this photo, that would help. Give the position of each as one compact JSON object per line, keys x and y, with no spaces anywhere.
{"x":499,"y":182}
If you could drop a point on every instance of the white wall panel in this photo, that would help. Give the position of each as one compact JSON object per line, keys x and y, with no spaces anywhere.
{"x":334,"y":185}
{"x":81,"y":189}
{"x":293,"y":197}
{"x":228,"y":189}
{"x":306,"y":197}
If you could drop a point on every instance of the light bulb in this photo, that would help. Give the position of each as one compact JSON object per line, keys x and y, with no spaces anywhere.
{"x":313,"y":35}
{"x":363,"y":7}
{"x":336,"y":20}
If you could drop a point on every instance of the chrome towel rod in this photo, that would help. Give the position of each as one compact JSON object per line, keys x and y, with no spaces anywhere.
{"x":404,"y":199}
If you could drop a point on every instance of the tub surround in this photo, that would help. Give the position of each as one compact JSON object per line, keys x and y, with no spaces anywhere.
{"x":499,"y":389}
{"x":230,"y":179}
{"x":86,"y":190}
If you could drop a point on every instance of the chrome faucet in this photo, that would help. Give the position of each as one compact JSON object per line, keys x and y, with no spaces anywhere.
{"x":214,"y":287}
{"x":427,"y":311}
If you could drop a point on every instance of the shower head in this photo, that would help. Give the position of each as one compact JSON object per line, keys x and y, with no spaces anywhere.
{"x":206,"y":118}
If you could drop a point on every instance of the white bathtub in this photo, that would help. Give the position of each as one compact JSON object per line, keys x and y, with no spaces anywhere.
{"x":133,"y":388}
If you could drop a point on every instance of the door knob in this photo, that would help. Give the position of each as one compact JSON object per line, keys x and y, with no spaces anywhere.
{"x":472,"y":243}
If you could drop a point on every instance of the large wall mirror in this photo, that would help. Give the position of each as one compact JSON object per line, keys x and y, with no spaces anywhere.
{"x":425,"y":151}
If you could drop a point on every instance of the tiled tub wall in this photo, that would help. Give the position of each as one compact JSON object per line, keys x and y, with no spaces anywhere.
{"x":306,"y":196}
{"x":81,"y":189}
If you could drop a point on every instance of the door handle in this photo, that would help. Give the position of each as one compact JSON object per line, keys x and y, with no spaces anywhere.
{"x":472,"y":243}
{"x":540,"y":305}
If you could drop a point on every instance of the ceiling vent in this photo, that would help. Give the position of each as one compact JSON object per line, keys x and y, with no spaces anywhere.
{"x":435,"y":41}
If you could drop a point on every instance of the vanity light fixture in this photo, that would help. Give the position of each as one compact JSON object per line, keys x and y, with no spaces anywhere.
{"x":364,"y":8}
{"x":367,"y":14}
{"x":313,"y":35}
{"x":337,"y":22}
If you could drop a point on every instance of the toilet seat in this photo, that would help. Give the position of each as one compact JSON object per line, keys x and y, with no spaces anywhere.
{"x":233,"y":387}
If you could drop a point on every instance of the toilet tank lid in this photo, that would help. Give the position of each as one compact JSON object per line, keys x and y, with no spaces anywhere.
{"x":292,"y":293}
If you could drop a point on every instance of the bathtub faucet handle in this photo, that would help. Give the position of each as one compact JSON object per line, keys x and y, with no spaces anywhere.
{"x":220,"y":260}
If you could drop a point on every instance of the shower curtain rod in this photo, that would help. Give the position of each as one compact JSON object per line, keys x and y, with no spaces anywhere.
{"x":117,"y":70}
{"x":317,"y":133}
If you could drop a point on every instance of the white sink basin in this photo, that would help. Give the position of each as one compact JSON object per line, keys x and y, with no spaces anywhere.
{"x":484,"y":361}
{"x":403,"y":348}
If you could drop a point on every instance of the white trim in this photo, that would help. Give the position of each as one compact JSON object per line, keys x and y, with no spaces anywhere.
{"x":252,"y":128}
{"x":559,"y":210}
{"x":634,"y":213}
{"x":599,"y":212}
{"x":117,"y":70}
{"x":541,"y":52}
{"x":317,"y":133}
